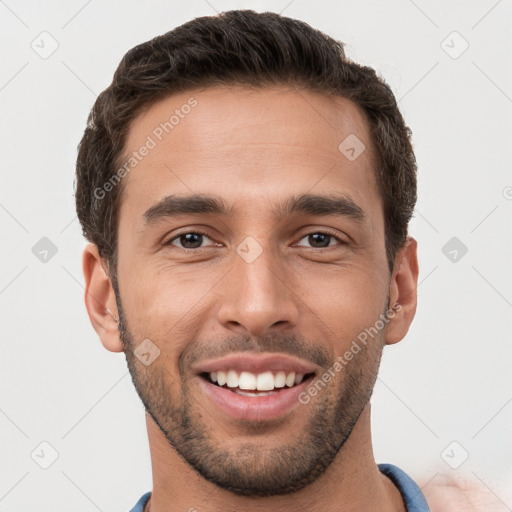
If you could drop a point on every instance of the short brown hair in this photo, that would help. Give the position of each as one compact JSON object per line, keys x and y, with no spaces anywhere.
{"x":240,"y":47}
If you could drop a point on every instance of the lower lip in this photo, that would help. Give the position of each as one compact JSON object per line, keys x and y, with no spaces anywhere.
{"x":258,"y":407}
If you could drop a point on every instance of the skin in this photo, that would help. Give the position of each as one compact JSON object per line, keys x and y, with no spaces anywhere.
{"x":459,"y":491}
{"x":254,"y":148}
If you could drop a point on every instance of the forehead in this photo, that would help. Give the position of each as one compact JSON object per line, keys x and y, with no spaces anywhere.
{"x":249,"y":144}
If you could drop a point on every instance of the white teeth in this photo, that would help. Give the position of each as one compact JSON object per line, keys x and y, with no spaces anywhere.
{"x":221,"y":378}
{"x":265,"y":381}
{"x":232,"y":380}
{"x":280,"y":380}
{"x":247,"y":381}
{"x":290,"y":379}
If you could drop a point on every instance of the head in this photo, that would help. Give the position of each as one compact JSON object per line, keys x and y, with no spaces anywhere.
{"x":246,"y":189}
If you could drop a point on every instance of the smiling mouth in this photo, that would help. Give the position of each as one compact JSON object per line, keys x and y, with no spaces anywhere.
{"x":255,"y":384}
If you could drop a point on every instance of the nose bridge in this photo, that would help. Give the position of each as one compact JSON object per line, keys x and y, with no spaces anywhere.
{"x":255,"y":297}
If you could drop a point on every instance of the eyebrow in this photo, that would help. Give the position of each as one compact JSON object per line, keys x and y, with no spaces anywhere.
{"x":307,"y":204}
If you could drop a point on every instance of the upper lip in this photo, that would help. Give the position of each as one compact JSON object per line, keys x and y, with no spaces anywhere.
{"x":255,"y":364}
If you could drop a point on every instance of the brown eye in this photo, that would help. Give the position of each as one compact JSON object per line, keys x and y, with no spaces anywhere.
{"x":191,"y":240}
{"x":320,"y":240}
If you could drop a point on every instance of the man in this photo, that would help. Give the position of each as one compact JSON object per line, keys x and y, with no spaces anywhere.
{"x":246,"y":190}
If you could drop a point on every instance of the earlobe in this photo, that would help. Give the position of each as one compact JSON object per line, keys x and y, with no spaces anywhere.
{"x":100,"y":299}
{"x":402,"y":292}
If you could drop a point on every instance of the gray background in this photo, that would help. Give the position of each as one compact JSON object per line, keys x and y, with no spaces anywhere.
{"x":447,"y":382}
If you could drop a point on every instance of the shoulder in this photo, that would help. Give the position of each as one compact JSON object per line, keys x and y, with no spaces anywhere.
{"x":461,"y":493}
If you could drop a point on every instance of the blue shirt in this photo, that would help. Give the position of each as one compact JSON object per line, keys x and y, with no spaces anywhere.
{"x":413,"y":497}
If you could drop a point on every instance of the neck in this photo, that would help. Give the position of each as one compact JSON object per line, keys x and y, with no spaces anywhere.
{"x":352,"y":482}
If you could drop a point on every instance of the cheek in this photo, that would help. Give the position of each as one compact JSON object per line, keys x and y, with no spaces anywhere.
{"x":165,"y":303}
{"x":348,"y":303}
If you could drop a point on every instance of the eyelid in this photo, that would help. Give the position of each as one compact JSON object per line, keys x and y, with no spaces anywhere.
{"x":199,"y":231}
{"x":186,"y":232}
{"x":324,"y":231}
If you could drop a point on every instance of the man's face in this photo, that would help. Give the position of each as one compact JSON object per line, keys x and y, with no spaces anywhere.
{"x":259,"y":281}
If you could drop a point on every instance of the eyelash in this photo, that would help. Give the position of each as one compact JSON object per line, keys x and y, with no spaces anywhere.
{"x":199,"y":232}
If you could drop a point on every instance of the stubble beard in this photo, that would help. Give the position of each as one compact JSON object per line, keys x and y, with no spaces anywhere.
{"x":247,"y":468}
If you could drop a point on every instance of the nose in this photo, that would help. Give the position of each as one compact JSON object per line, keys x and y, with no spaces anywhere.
{"x":258,"y":296}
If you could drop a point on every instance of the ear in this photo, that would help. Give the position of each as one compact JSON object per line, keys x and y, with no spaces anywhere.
{"x":100,"y":299}
{"x":402,"y":292}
